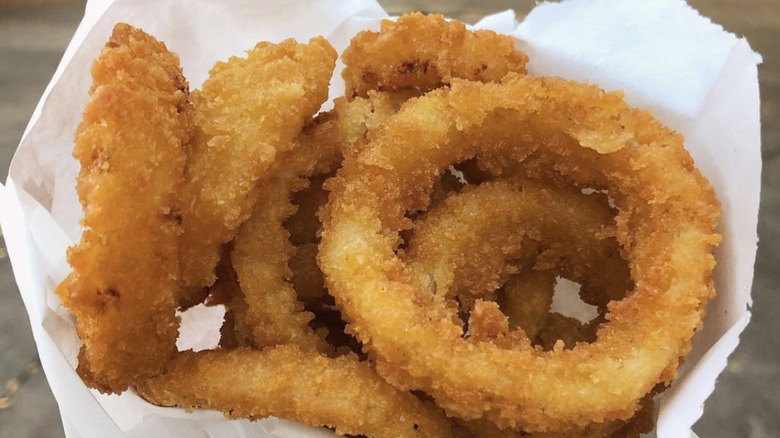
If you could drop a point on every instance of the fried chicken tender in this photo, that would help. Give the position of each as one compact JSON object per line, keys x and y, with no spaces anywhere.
{"x":287,"y":382}
{"x":131,"y":145}
{"x":425,"y":52}
{"x":248,"y":112}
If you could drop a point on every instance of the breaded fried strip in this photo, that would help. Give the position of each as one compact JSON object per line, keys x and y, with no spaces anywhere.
{"x":303,"y":386}
{"x":249,"y":110}
{"x":425,"y":52}
{"x":131,"y":146}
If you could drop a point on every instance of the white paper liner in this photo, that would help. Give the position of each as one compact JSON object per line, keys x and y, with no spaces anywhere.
{"x":695,"y":77}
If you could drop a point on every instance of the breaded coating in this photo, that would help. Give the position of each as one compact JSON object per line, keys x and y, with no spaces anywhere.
{"x":425,"y":52}
{"x":131,"y":146}
{"x":262,"y":249}
{"x":469,"y":244}
{"x":304,"y":224}
{"x":556,"y":129}
{"x":262,"y":261}
{"x":247,"y":113}
{"x":641,"y":422}
{"x":307,"y":277}
{"x":526,"y":299}
{"x":287,"y":382}
{"x":261,"y":252}
{"x":566,"y":330}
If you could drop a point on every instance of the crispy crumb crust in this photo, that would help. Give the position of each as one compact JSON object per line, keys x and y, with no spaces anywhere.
{"x":131,"y":146}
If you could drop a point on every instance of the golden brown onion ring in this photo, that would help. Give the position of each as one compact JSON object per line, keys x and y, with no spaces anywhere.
{"x":261,"y":252}
{"x":318,"y":151}
{"x":590,"y":138}
{"x":290,"y":383}
{"x":131,"y":145}
{"x":526,"y":298}
{"x":425,"y":52}
{"x":262,"y":249}
{"x":471,"y":242}
{"x":248,"y":112}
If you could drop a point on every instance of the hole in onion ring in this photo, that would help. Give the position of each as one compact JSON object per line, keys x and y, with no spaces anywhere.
{"x":567,"y":301}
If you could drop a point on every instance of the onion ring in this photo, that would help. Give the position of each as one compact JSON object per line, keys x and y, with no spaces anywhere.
{"x":466,"y":243}
{"x":338,"y":131}
{"x":262,"y":248}
{"x":668,"y":213}
{"x":424,"y":52}
{"x":526,"y":299}
{"x":641,"y":422}
{"x":287,"y":382}
{"x":319,"y":151}
{"x":236,"y":141}
{"x":131,"y":145}
{"x":260,"y":256}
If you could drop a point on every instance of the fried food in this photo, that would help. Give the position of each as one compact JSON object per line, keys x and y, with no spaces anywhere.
{"x":307,"y":279}
{"x":285,"y":381}
{"x":424,"y":52}
{"x":566,"y":330}
{"x":462,"y":189}
{"x":337,"y":135}
{"x":268,"y":304}
{"x":131,"y":145}
{"x":247,"y":113}
{"x":559,"y":130}
{"x":263,"y":266}
{"x":471,"y":242}
{"x":526,"y":298}
{"x":498,"y":233}
{"x":261,"y":252}
{"x":304,"y":226}
{"x":262,"y":249}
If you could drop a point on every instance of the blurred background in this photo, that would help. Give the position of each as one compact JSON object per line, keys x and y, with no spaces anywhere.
{"x":746,"y":402}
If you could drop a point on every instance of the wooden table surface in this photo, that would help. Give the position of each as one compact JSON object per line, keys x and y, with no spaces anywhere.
{"x":746,"y":402}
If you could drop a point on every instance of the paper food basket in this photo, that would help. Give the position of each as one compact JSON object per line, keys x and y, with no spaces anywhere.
{"x":695,"y":77}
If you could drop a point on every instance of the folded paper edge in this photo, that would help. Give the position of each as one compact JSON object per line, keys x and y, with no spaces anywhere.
{"x":9,"y":191}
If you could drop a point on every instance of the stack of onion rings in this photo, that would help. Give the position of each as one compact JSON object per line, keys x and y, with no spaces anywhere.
{"x":571,"y":132}
{"x":462,"y":190}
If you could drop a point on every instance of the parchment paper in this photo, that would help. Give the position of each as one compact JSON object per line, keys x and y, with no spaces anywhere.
{"x":695,"y":77}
